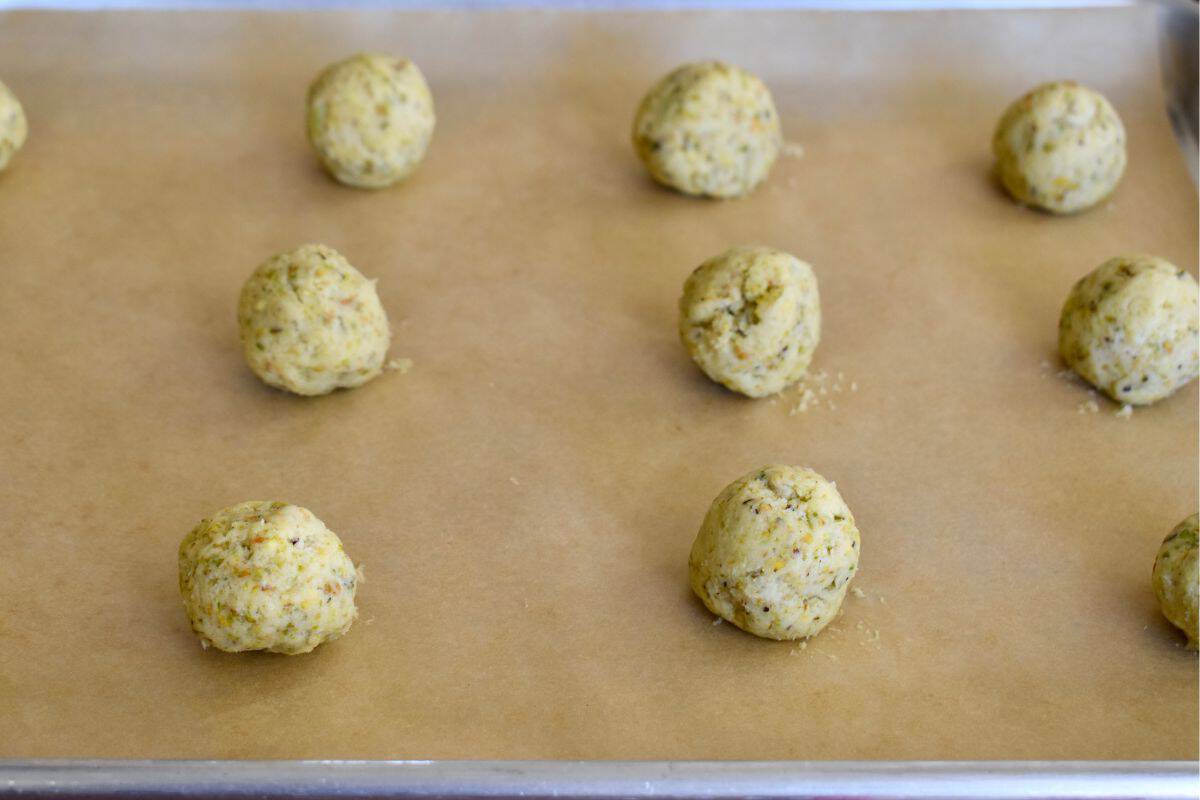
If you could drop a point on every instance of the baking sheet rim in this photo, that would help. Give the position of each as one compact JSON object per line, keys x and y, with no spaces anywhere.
{"x":966,"y":779}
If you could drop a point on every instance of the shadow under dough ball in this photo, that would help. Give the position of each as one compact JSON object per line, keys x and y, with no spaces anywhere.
{"x":1176,"y":579}
{"x":1060,"y":148}
{"x":708,"y":129}
{"x":13,"y":126}
{"x":1130,"y":328}
{"x":776,"y":553}
{"x":266,"y":576}
{"x":751,"y":319}
{"x":370,"y":119}
{"x":311,"y":323}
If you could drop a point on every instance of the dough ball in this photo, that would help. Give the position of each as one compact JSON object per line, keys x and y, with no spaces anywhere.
{"x":370,"y":119}
{"x":751,"y":318}
{"x":776,"y":553}
{"x":708,"y":129}
{"x":1175,"y":578}
{"x":13,"y":126}
{"x":311,"y":323}
{"x":266,"y":576}
{"x":1060,"y":148}
{"x":1130,"y":328}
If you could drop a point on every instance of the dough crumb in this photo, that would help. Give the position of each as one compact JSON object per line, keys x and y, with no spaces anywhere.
{"x":717,"y":621}
{"x":857,"y":592}
{"x":1125,"y":412}
{"x":401,"y":365}
{"x":513,"y":481}
{"x":1088,"y":407}
{"x":792,"y":150}
{"x":817,"y":389}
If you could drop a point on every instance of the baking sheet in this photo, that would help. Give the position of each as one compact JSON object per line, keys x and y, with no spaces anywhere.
{"x":524,"y":499}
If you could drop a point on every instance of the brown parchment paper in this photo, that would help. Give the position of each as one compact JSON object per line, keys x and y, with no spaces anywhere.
{"x":524,"y":499}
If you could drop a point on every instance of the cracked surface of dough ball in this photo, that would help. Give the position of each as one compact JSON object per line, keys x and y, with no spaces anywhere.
{"x":1130,"y":328}
{"x":13,"y":126}
{"x":776,"y":553}
{"x":708,"y":129}
{"x":370,"y":119}
{"x":311,"y":323}
{"x":266,"y":576}
{"x":1060,"y":148}
{"x":1175,"y":578}
{"x":751,"y":319}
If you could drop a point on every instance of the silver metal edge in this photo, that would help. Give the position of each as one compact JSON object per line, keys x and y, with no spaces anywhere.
{"x":1003,"y":780}
{"x":578,"y":5}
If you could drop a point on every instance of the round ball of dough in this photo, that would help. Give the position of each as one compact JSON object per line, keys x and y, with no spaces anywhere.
{"x":370,"y":119}
{"x":776,"y":553}
{"x":311,"y":323}
{"x":751,"y":318}
{"x":1060,"y":148}
{"x":266,"y":576}
{"x":1176,"y":579}
{"x":1130,"y":328}
{"x":708,"y":129}
{"x":13,"y":126}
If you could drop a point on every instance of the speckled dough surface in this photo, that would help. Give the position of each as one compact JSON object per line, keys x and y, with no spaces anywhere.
{"x":311,"y":323}
{"x":266,"y":576}
{"x":776,"y":553}
{"x":1176,"y":578}
{"x":370,"y":119}
{"x":1130,"y":328}
{"x":751,"y":319}
{"x":708,"y":129}
{"x":13,"y":126}
{"x":1061,"y":148}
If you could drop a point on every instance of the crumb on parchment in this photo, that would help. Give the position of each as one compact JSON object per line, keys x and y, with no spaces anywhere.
{"x":818,"y":389}
{"x":401,"y":365}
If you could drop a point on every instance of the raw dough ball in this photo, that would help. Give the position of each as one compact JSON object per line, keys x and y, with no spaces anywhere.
{"x":266,"y":576}
{"x":13,"y":126}
{"x":708,"y":129}
{"x":370,"y":119}
{"x":311,"y":323}
{"x":1130,"y":328}
{"x":751,"y":318}
{"x":1061,"y":148}
{"x":776,"y":553}
{"x":1176,"y":577}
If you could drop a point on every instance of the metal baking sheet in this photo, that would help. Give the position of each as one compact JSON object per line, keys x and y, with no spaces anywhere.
{"x":166,"y":160}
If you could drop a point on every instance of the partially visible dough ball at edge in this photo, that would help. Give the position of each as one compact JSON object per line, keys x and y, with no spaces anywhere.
{"x":1176,"y":576}
{"x":13,"y":125}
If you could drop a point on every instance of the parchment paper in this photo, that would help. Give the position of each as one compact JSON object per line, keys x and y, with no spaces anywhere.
{"x":524,"y":499}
